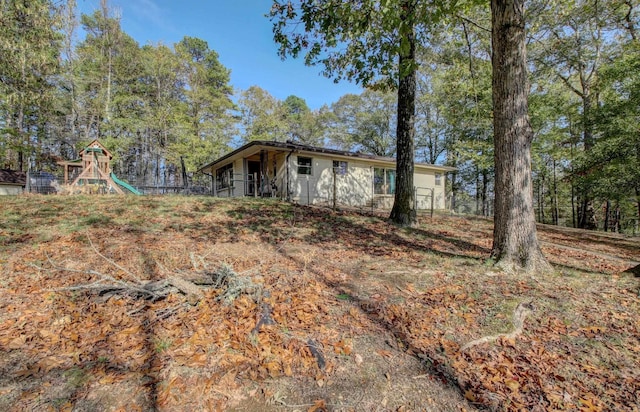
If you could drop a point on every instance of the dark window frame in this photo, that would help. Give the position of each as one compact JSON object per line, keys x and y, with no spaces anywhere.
{"x":340,"y":167}
{"x":224,"y":179}
{"x":305,"y":169}
{"x":384,"y":185}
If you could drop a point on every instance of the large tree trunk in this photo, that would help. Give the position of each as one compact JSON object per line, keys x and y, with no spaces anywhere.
{"x":585,"y":216}
{"x":554,"y":201}
{"x":403,"y":211}
{"x":515,"y":242}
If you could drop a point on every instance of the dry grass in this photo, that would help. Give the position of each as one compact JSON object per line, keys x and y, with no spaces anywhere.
{"x":386,"y":309}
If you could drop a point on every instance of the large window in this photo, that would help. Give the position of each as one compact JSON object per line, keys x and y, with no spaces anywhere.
{"x":304,"y":165}
{"x":340,"y":167}
{"x":384,"y":181}
{"x":224,"y":176}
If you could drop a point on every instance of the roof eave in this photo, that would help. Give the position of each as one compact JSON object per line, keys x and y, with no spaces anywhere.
{"x":318,"y":150}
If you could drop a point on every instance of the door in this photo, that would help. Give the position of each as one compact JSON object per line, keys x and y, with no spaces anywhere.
{"x":253,"y":171}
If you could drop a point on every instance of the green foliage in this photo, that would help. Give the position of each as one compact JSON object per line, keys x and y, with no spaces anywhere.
{"x":29,"y":46}
{"x":207,"y":124}
{"x":263,"y":116}
{"x":365,"y":122}
{"x":153,"y":106}
{"x":614,"y":161}
{"x":304,"y":125}
{"x":356,"y":41}
{"x":582,"y":58}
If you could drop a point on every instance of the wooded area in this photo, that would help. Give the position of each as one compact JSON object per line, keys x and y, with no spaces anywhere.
{"x":154,"y":105}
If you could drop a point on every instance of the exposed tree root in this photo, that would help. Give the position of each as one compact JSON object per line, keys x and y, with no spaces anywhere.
{"x":189,"y":284}
{"x":316,"y":351}
{"x":519,"y":315}
{"x":635,"y":270}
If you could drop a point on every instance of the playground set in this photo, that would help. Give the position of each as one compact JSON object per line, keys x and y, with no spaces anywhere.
{"x":91,"y":173}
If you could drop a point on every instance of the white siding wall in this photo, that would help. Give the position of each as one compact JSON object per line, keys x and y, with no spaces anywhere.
{"x":354,"y":188}
{"x":427,"y":179}
{"x":238,"y":186}
{"x":10,"y":190}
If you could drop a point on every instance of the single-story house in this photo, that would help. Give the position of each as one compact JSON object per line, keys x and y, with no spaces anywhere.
{"x":314,"y":175}
{"x":12,"y":182}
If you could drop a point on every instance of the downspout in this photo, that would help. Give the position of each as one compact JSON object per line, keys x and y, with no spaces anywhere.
{"x":288,"y":178}
{"x":373,"y":188}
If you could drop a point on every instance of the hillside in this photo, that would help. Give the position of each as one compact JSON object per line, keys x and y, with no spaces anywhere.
{"x":179,"y":304}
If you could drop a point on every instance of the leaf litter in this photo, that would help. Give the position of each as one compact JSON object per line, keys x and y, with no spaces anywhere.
{"x":303,"y":309}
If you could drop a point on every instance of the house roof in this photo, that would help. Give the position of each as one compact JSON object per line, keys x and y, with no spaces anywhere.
{"x":256,"y":145}
{"x":96,"y":146}
{"x":13,"y":177}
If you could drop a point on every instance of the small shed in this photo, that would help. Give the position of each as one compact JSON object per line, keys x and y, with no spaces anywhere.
{"x":12,"y":182}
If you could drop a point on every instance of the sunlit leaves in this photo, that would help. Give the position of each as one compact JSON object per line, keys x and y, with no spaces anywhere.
{"x":364,"y":122}
{"x":358,"y":41}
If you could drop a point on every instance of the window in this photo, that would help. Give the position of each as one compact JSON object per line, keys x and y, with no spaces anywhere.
{"x":224,"y":176}
{"x":384,"y":181}
{"x":438,"y":179}
{"x":304,"y":165}
{"x":340,"y":167}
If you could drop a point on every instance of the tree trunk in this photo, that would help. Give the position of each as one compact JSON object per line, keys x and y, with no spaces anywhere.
{"x":185,"y":179}
{"x":585,"y":217}
{"x":542,"y":204}
{"x":454,"y":190}
{"x":403,"y":211}
{"x":478,"y":208}
{"x":629,"y":21}
{"x":538,"y":196}
{"x":555,"y":195}
{"x":638,"y":201}
{"x":515,"y":242}
{"x":485,"y":189}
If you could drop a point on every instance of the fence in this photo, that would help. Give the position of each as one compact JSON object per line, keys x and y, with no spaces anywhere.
{"x":465,"y":204}
{"x":314,"y":191}
{"x":40,"y":182}
{"x":620,"y":218}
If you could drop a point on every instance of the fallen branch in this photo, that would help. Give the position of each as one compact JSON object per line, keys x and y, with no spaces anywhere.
{"x":189,"y":284}
{"x":191,"y":291}
{"x":104,"y":284}
{"x":127,"y":272}
{"x":316,"y":351}
{"x":264,"y":317}
{"x":234,"y":285}
{"x":519,"y":315}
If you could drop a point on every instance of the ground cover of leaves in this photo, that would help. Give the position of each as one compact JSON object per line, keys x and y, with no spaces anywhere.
{"x":363,"y":315}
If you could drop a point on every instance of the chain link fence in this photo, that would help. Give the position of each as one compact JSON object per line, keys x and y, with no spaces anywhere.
{"x":47,"y":183}
{"x":619,"y":217}
{"x":466,"y":204}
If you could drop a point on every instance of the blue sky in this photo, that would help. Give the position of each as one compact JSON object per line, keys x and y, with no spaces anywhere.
{"x":238,"y":31}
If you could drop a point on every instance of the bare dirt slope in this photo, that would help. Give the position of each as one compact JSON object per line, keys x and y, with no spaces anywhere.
{"x":179,"y":304}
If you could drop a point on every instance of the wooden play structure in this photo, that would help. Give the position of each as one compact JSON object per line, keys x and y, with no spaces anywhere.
{"x":91,"y":173}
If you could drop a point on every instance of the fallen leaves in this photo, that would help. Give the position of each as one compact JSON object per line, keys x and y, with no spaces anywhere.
{"x":578,"y":351}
